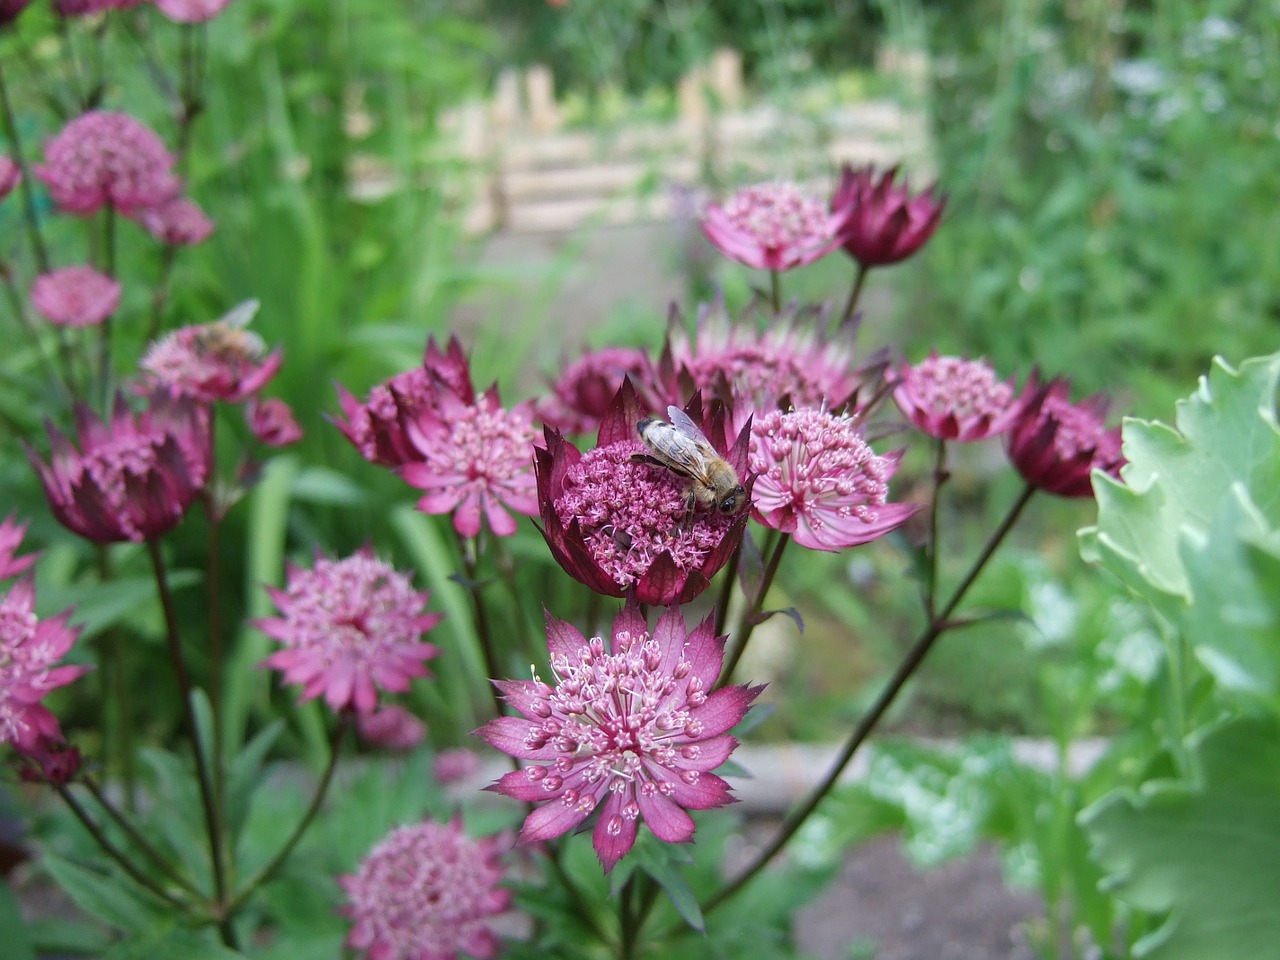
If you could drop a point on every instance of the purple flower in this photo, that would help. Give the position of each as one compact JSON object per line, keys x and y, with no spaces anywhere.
{"x":11,"y":534}
{"x":75,"y":296}
{"x":772,"y":226}
{"x":427,"y":892}
{"x":103,"y":158}
{"x":349,"y":627}
{"x":391,"y":727}
{"x":629,"y":728}
{"x":272,"y":422}
{"x":177,"y":222}
{"x":623,"y":527}
{"x":583,"y":392}
{"x":883,"y":222}
{"x":1056,"y":445}
{"x":133,"y":477}
{"x":820,"y":482}
{"x":219,"y":361}
{"x":953,"y":398}
{"x":455,"y":764}
{"x":191,"y":11}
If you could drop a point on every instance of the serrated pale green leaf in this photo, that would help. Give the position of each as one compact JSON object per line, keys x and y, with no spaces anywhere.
{"x":16,"y":943}
{"x":111,"y":898}
{"x":1204,"y":851}
{"x":172,"y":943}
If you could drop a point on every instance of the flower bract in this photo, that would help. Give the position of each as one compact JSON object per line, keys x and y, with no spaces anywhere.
{"x":884,"y":223}
{"x":1056,"y":445}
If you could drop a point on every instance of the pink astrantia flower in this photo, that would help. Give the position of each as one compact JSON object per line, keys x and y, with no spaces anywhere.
{"x":427,"y":892}
{"x":753,"y":371}
{"x":1056,"y":445}
{"x":75,"y":296}
{"x":773,"y":226}
{"x":391,"y":727}
{"x":953,"y":398}
{"x":820,"y":482}
{"x":623,"y":527}
{"x":219,"y":361}
{"x":629,"y":727}
{"x":272,"y":422}
{"x":29,"y":653}
{"x":376,"y":427}
{"x":103,"y":158}
{"x":454,"y":765}
{"x":11,"y":534}
{"x":349,"y":627}
{"x":191,"y":11}
{"x":178,"y":222}
{"x":133,"y":477}
{"x":10,"y":175}
{"x":883,"y":222}
{"x":473,"y":458}
{"x":582,"y":393}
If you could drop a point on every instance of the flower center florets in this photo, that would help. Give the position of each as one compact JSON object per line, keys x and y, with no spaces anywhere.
{"x":631,"y":512}
{"x":113,"y":463}
{"x":355,"y":605}
{"x":487,"y":441}
{"x":777,"y":214}
{"x":1078,"y":430}
{"x":965,"y":388}
{"x":816,"y":456}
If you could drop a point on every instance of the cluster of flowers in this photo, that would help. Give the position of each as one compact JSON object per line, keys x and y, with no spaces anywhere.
{"x":179,"y":11}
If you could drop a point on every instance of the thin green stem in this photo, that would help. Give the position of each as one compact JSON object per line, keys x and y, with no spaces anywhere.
{"x":750,"y":618}
{"x":212,"y":815}
{"x":931,"y":575}
{"x":215,"y":643}
{"x":470,"y":568}
{"x":18,"y":306}
{"x":28,"y":197}
{"x":118,"y":732}
{"x":107,"y":325}
{"x":628,"y":922}
{"x":775,"y":290}
{"x":915,"y":656}
{"x":114,"y":852}
{"x":726,"y":587}
{"x":582,"y":909}
{"x":267,"y":871}
{"x":137,"y":837}
{"x":160,"y":295}
{"x":855,"y":293}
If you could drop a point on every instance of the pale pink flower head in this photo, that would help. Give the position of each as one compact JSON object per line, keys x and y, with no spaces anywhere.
{"x":11,"y":534}
{"x":427,"y":892}
{"x":820,"y":482}
{"x":582,"y":393}
{"x":219,"y":361}
{"x":177,"y":222}
{"x":132,"y":477}
{"x":953,"y":398}
{"x":753,"y":370}
{"x":623,"y":527}
{"x":104,"y":158}
{"x":391,"y":727}
{"x":349,"y":628}
{"x":772,"y":226}
{"x":77,"y":296}
{"x":455,"y":764}
{"x":272,"y":422}
{"x":10,"y":175}
{"x":884,"y":223}
{"x":376,"y":427}
{"x":474,"y":460}
{"x":191,"y":11}
{"x":30,"y":649}
{"x":1056,"y":444}
{"x":630,"y":727}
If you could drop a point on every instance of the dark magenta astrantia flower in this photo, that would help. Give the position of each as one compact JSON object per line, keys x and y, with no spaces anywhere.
{"x":623,"y":527}
{"x":773,"y":226}
{"x":178,"y":222}
{"x":1056,"y":445}
{"x":427,"y":892}
{"x":820,"y":482}
{"x":583,"y":392}
{"x":883,"y":223}
{"x":630,"y":728}
{"x":272,"y":422}
{"x":954,"y":398}
{"x":349,"y":628}
{"x":132,"y":477}
{"x":376,"y":427}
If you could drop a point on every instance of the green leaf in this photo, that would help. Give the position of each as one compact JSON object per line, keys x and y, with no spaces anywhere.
{"x":660,"y":865}
{"x":1204,"y":851}
{"x":16,"y":943}
{"x":172,"y":943}
{"x":58,"y":935}
{"x":111,"y":898}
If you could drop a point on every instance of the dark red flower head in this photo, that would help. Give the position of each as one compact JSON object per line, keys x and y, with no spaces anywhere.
{"x":622,"y":526}
{"x":1056,"y":445}
{"x":954,"y":398}
{"x":583,"y":392}
{"x":132,"y":477}
{"x":884,"y":224}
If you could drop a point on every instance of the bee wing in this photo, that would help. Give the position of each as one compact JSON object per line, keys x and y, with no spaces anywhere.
{"x":239,"y":316}
{"x":684,"y":423}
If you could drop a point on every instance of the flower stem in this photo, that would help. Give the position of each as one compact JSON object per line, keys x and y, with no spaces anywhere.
{"x":28,"y":198}
{"x":726,"y":588}
{"x":138,"y":838}
{"x":915,"y":656}
{"x":931,"y":574}
{"x":215,"y":632}
{"x":266,"y":872}
{"x":114,"y":852}
{"x":212,"y":815}
{"x":775,"y":290}
{"x":470,"y":567}
{"x":753,"y":611}
{"x":855,"y":293}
